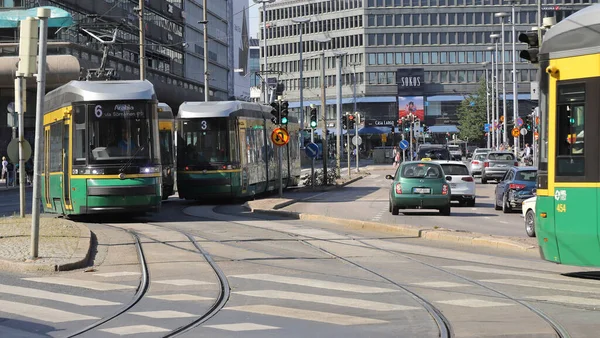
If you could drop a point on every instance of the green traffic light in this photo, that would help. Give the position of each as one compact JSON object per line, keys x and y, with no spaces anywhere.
{"x":284,"y":120}
{"x":313,"y":124}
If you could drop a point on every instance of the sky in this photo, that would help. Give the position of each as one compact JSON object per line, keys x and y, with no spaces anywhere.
{"x":253,"y":13}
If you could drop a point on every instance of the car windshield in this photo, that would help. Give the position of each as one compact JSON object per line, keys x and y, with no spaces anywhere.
{"x":435,"y":154}
{"x":421,"y":170}
{"x":501,"y":156}
{"x":528,"y":176}
{"x":455,"y":170}
{"x":480,"y":157}
{"x":204,"y":141}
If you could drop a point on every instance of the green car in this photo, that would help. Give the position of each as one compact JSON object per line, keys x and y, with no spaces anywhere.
{"x":419,"y":185}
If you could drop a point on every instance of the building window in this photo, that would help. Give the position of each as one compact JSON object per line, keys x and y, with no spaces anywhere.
{"x":372,"y":58}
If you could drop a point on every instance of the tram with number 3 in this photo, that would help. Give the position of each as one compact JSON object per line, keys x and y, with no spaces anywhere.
{"x":224,"y":150}
{"x":568,"y":187}
{"x":101,"y":150}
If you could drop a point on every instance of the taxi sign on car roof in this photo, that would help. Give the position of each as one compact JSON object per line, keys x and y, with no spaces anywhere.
{"x":426,"y":159}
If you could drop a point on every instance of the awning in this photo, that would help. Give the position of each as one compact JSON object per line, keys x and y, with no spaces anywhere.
{"x":374,"y":130}
{"x":443,"y":129}
{"x":58,"y":17}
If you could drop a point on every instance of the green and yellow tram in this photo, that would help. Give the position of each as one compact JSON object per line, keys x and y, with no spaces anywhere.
{"x":568,"y":188}
{"x":224,"y":150}
{"x":101,"y":152}
{"x":166,"y":136}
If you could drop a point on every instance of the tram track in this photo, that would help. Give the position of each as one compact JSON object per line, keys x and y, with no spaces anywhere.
{"x":145,"y":282}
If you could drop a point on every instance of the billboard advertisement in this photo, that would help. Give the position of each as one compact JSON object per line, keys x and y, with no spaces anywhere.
{"x":411,"y":104}
{"x":241,"y":50}
{"x":410,"y":81}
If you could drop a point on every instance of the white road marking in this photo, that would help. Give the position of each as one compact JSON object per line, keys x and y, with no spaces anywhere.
{"x":59,"y":297}
{"x":182,"y":282}
{"x":543,"y":285}
{"x":337,"y":301}
{"x":41,"y":313}
{"x":81,"y":283}
{"x":315,"y":316}
{"x":134,"y":329}
{"x":180,"y":297}
{"x":440,"y":284}
{"x":567,"y":300}
{"x":504,"y":222}
{"x":164,"y":314}
{"x":117,"y":274}
{"x":238,"y":327}
{"x":315,"y":283}
{"x":527,"y":274}
{"x":477,"y":303}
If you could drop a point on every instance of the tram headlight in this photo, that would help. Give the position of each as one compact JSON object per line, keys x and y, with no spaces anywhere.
{"x":149,"y":170}
{"x":97,"y":171}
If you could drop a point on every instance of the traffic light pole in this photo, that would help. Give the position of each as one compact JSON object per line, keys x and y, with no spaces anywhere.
{"x":348,"y":147}
{"x":323,"y":111}
{"x":312,"y":163}
{"x":357,"y":143}
{"x":280,"y":155}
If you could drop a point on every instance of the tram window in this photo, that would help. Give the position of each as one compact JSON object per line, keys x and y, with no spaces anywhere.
{"x":570,"y":131}
{"x":56,"y":147}
{"x":79,"y":148}
{"x":166,"y":146}
{"x":206,"y":141}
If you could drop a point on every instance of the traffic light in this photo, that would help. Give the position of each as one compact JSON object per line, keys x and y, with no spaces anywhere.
{"x":313,"y":117}
{"x":531,"y":53}
{"x":275,"y":112}
{"x":345,"y":122}
{"x":351,"y":122}
{"x":284,"y":112}
{"x":425,"y":128}
{"x":528,"y":126}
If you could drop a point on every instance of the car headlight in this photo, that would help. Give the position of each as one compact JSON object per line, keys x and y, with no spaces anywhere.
{"x":149,"y":170}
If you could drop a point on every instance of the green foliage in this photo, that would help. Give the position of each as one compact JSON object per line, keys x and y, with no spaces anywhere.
{"x":472,"y":118}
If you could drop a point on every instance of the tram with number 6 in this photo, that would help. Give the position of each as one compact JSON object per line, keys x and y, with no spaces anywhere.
{"x":568,"y":187}
{"x":224,"y":150}
{"x":101,"y":150}
{"x":166,"y":137}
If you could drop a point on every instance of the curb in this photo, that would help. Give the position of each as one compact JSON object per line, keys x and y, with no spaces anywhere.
{"x":78,"y":260}
{"x":465,"y":238}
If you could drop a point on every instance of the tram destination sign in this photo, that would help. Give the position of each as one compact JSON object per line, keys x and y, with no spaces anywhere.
{"x":117,"y":110}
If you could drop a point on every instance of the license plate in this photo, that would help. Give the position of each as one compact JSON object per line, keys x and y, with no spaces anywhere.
{"x":452,"y":185}
{"x":501,"y":165}
{"x":422,"y":190}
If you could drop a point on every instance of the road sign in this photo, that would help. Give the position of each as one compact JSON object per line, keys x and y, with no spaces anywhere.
{"x":536,"y":135}
{"x":312,"y":150}
{"x":13,"y":150}
{"x":280,"y":137}
{"x":404,"y":144}
{"x":519,"y":122}
{"x":357,"y":140}
{"x":486,"y":127}
{"x":523,"y":131}
{"x":535,"y":87}
{"x":515,"y":132}
{"x":384,"y":138}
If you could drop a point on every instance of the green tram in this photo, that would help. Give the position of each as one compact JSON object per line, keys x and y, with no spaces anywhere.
{"x":568,"y":187}
{"x":166,"y":137}
{"x":101,"y":152}
{"x":224,"y":150}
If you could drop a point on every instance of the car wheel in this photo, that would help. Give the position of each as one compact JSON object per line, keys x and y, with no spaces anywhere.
{"x":530,"y":223}
{"x":496,"y":206}
{"x":505,"y":206}
{"x":483,"y":180}
{"x":471,"y":203}
{"x":390,"y":206}
{"x":445,"y":211}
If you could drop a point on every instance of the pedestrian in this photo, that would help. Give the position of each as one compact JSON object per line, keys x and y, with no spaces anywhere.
{"x":527,"y":157}
{"x":395,"y":156}
{"x":4,"y":169}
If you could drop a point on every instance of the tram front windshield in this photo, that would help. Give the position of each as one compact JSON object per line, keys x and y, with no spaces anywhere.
{"x":166,"y":146}
{"x":204,"y":142}
{"x":118,"y":131}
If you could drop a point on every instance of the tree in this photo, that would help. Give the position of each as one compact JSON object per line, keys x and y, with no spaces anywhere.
{"x":472,"y":115}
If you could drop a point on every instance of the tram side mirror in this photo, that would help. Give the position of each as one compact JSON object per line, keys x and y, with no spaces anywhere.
{"x":389,"y":177}
{"x":448,"y":178}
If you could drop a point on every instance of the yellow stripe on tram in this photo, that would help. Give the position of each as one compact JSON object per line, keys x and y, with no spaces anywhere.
{"x":115,"y":176}
{"x":165,"y":125}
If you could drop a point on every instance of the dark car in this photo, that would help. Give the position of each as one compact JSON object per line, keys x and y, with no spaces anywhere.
{"x":517,"y":185}
{"x":434,"y":153}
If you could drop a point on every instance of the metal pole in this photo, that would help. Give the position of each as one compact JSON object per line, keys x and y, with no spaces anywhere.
{"x":43,"y":14}
{"x":280,"y":154}
{"x":348,"y":150}
{"x":301,"y":26}
{"x":142,"y":42}
{"x":497,"y":99}
{"x":20,"y":107}
{"x":493,"y":100}
{"x":514,"y":71}
{"x":338,"y":115}
{"x":487,"y":107}
{"x":312,"y":163}
{"x":539,"y":21}
{"x":323,"y":112}
{"x":505,"y":134}
{"x":205,"y":33}
{"x":357,"y":116}
{"x":356,"y":135}
{"x":403,"y":150}
{"x":411,"y":121}
{"x":264,"y":8}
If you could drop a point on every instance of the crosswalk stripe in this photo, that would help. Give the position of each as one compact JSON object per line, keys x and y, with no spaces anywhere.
{"x":117,"y":274}
{"x":567,"y":300}
{"x":41,"y":313}
{"x":238,"y":327}
{"x":315,"y":316}
{"x":475,"y":303}
{"x":134,"y":329}
{"x":165,"y":314}
{"x":80,"y":283}
{"x":527,"y":274}
{"x":180,"y":297}
{"x":543,"y":285}
{"x":315,"y":283}
{"x":337,"y":301}
{"x":59,"y":297}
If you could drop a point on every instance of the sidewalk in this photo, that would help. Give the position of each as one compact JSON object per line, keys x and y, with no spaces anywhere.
{"x":63,"y":245}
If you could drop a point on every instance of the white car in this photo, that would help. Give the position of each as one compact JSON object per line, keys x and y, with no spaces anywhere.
{"x":462,"y":183}
{"x":529,"y":215}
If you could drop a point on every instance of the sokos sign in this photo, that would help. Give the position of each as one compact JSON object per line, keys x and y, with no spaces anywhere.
{"x":410,"y":81}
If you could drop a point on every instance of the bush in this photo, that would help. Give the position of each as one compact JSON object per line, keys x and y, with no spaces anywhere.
{"x":331,"y":177}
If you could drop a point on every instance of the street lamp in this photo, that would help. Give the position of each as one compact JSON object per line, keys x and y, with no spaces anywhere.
{"x":495,"y":38}
{"x":493,"y":99}
{"x":301,"y":22}
{"x":514,"y":75}
{"x":338,"y":113}
{"x":502,"y":15}
{"x":205,"y":33}
{"x":264,"y":17}
{"x":487,"y":101}
{"x":323,"y":41}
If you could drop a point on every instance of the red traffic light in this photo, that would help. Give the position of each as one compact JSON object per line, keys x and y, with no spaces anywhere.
{"x":351,"y":117}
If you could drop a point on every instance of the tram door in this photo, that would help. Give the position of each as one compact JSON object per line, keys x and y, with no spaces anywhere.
{"x":66,"y":160}
{"x":47,"y":166}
